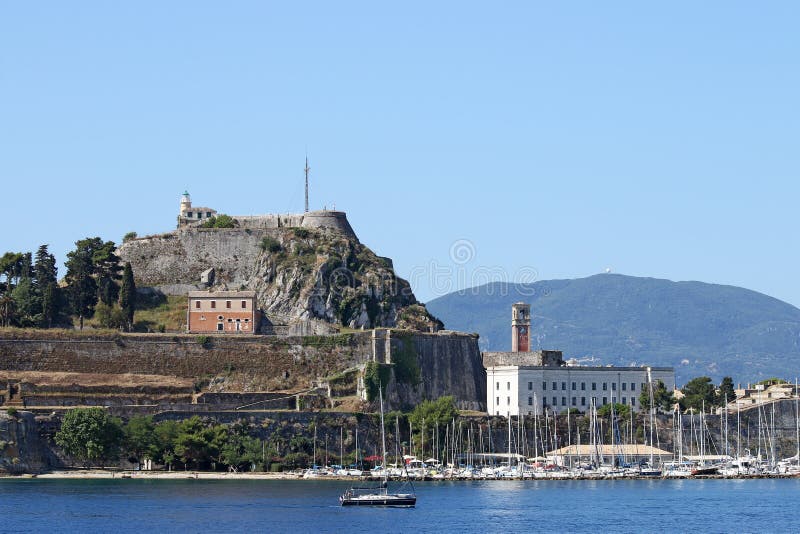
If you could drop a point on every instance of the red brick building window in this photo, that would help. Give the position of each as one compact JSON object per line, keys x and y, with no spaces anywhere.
{"x":228,"y":304}
{"x":213,"y":304}
{"x":244,"y":304}
{"x":197,"y":304}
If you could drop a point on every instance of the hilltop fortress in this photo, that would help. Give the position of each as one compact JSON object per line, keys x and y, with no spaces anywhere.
{"x":309,"y":271}
{"x":335,"y":221}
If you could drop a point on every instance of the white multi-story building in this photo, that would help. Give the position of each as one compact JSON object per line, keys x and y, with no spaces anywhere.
{"x":527,"y":389}
{"x":527,"y":382}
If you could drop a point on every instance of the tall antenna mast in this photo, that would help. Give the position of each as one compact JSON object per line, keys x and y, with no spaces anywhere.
{"x":307,"y":169}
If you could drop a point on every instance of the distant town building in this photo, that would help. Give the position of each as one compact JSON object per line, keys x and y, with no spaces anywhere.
{"x":190,"y":215}
{"x":528,"y":382}
{"x":223,"y":312}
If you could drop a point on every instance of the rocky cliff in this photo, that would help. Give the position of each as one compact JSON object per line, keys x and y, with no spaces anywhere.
{"x":303,"y":273}
{"x":22,"y":449}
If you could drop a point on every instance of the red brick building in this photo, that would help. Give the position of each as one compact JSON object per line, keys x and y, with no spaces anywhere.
{"x":223,"y":312}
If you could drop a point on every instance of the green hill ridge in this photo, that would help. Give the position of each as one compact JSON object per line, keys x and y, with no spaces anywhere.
{"x":696,"y":327}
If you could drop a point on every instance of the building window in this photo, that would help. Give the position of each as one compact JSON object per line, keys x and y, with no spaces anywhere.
{"x":605,"y":386}
{"x":574,"y":386}
{"x":530,"y":386}
{"x":583,"y":401}
{"x":219,"y":327}
{"x":228,"y":304}
{"x":544,"y":386}
{"x":555,"y":386}
{"x":624,"y":385}
{"x":202,"y":317}
{"x":498,"y":388}
{"x":563,"y":401}
{"x":508,"y":401}
{"x":219,"y":317}
{"x":208,"y":214}
{"x":574,"y":401}
{"x":498,"y":400}
{"x":633,"y":386}
{"x":189,"y":214}
{"x":230,"y":320}
{"x":563,"y":386}
{"x":244,"y":304}
{"x":605,"y":401}
{"x":555,"y":401}
{"x":213,"y":304}
{"x":197,"y":304}
{"x":633,"y":401}
{"x":530,"y":401}
{"x":583,"y":386}
{"x":508,"y":385}
{"x":544,"y":402}
{"x":624,"y":400}
{"x":613,"y":386}
{"x":594,"y":386}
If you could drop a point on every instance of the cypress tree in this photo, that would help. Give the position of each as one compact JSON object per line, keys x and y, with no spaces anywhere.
{"x":127,"y":295}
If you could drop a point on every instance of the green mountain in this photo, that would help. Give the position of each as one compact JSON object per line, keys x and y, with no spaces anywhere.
{"x":698,"y":328}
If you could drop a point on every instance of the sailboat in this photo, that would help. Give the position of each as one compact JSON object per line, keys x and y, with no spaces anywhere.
{"x":379,"y":496}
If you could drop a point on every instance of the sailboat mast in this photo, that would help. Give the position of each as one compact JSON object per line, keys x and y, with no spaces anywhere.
{"x":797,"y":420}
{"x":383,"y":436}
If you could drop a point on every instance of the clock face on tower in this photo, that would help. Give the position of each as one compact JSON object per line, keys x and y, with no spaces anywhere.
{"x":523,"y":330}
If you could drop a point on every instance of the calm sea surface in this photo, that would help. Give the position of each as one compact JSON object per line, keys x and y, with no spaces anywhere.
{"x":493,"y":506}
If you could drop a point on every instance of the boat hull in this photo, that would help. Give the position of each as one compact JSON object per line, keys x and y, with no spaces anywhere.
{"x":400,"y":501}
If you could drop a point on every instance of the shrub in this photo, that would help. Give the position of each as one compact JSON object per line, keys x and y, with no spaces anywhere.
{"x":220,"y":221}
{"x":302,"y":233}
{"x":269,"y":244}
{"x":11,"y":411}
{"x":130,"y":235}
{"x":376,"y":375}
{"x":205,"y":341}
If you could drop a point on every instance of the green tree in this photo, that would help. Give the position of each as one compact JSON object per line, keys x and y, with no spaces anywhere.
{"x":140,"y":438}
{"x":106,"y":271}
{"x":166,"y":433}
{"x":697,"y":393}
{"x":7,"y":309}
{"x":662,"y":398}
{"x":81,"y":285}
{"x":89,"y":435}
{"x":240,"y":449}
{"x":11,"y":267}
{"x":127,"y":296}
{"x":621,"y":411}
{"x":428,"y":414}
{"x":726,"y":391}
{"x":197,"y":443}
{"x":46,"y":286}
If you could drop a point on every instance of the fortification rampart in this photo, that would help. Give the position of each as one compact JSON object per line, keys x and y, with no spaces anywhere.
{"x":449,"y":364}
{"x":323,"y":219}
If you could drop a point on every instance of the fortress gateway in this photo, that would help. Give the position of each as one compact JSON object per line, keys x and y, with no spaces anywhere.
{"x":528,"y":382}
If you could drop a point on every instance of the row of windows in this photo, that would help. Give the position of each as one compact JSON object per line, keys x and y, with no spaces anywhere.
{"x":573,"y":401}
{"x":199,"y":214}
{"x":221,"y":318}
{"x":214,"y":304}
{"x":583,"y":386}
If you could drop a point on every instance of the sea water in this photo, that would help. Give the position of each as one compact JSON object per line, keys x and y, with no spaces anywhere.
{"x":130,"y":505}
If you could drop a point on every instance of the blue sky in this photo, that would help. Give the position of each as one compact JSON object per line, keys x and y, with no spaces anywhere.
{"x":552,"y":140}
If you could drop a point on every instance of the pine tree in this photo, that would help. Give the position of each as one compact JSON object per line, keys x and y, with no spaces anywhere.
{"x":81,"y":286}
{"x":127,"y":295}
{"x":46,"y":287}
